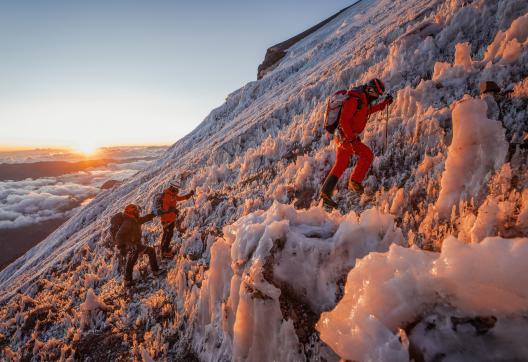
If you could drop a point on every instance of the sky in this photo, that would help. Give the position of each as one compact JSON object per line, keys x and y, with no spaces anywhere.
{"x":84,"y":74}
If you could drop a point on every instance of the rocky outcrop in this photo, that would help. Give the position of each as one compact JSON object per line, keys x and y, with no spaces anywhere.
{"x":110,"y":183}
{"x":277,"y":51}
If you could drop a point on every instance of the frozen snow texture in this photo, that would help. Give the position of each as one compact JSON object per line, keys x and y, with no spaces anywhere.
{"x":478,"y":148}
{"x":265,"y":145}
{"x":455,"y":74}
{"x":91,"y":310}
{"x":282,"y":249}
{"x":507,"y":45}
{"x":397,"y":202}
{"x":92,"y":302}
{"x":385,"y":292}
{"x":146,"y":356}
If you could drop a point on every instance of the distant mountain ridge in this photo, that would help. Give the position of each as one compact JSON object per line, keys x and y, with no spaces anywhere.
{"x":22,"y":171}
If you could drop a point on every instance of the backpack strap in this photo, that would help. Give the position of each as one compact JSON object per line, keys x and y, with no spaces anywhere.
{"x":158,"y":206}
{"x":356,"y":94}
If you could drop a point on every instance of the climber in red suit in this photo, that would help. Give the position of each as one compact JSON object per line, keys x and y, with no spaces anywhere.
{"x":352,"y":121}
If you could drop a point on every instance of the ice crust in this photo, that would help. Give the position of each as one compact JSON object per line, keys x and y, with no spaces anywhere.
{"x":385,"y":292}
{"x":308,"y":252}
{"x":426,"y":264}
{"x":478,"y":148}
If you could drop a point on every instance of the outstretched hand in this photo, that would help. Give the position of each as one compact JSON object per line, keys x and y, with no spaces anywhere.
{"x":150,"y":216}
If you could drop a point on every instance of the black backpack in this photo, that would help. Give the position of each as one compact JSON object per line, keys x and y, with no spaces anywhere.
{"x":115,"y":224}
{"x":157,"y":207}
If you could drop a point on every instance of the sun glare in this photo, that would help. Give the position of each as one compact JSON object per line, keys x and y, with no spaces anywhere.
{"x":86,"y":148}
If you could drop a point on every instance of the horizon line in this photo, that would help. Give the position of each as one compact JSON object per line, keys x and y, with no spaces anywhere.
{"x":58,"y":147}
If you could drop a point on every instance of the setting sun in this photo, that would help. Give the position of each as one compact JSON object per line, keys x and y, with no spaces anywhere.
{"x":86,"y":148}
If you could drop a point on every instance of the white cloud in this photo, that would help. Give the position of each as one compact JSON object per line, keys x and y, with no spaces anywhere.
{"x":31,"y":201}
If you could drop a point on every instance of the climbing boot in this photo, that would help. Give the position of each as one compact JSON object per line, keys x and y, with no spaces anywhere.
{"x":328,"y":203}
{"x":158,"y":272}
{"x":327,"y":190}
{"x":355,"y":186}
{"x":167,"y":254}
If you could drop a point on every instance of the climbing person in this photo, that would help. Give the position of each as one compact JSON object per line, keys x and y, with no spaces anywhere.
{"x":166,"y":208}
{"x":348,"y":112}
{"x":128,"y":239}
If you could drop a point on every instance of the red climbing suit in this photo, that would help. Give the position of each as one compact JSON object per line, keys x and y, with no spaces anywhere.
{"x":354,"y":116}
{"x":170,"y":198}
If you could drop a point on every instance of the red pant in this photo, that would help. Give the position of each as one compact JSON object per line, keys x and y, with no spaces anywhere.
{"x":345,"y":150}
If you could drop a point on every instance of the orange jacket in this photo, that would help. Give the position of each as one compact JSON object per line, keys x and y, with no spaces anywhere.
{"x":170,"y":198}
{"x":353,"y":119}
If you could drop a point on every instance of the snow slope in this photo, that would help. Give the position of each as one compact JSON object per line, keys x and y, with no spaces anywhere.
{"x":262,"y":272}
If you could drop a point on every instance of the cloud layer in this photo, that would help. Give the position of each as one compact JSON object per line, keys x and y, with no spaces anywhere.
{"x":31,"y":201}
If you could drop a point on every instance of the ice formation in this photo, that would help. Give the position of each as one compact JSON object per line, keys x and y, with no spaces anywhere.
{"x":259,"y":264}
{"x":385,"y":292}
{"x":91,"y":309}
{"x":478,"y":148}
{"x":281,"y":256}
{"x":508,"y":45}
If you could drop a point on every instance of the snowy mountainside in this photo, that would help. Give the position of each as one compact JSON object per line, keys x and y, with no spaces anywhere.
{"x":263,"y":273}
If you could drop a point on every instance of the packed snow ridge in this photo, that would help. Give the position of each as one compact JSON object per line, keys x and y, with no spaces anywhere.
{"x":428,"y":264}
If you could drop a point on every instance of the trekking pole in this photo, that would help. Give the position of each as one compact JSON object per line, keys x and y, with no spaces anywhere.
{"x":386,"y":127}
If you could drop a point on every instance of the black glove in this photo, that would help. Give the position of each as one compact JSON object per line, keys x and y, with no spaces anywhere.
{"x":150,"y":216}
{"x":389,"y":99}
{"x":146,"y":218}
{"x":192,"y":193}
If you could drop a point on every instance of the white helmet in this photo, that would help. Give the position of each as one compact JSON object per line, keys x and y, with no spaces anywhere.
{"x":175,"y":184}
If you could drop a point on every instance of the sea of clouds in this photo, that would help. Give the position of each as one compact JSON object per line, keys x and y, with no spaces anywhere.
{"x":31,"y":201}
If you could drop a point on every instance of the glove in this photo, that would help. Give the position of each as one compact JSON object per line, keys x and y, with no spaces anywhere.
{"x":192,"y":193}
{"x":389,"y":99}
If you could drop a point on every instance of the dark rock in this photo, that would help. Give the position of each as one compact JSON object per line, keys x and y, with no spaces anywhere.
{"x":481,"y":324}
{"x":304,"y":198}
{"x":109,"y":184}
{"x":102,"y":346}
{"x":38,"y":314}
{"x":4,"y":341}
{"x":293,"y":306}
{"x":257,"y":294}
{"x":489,"y":87}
